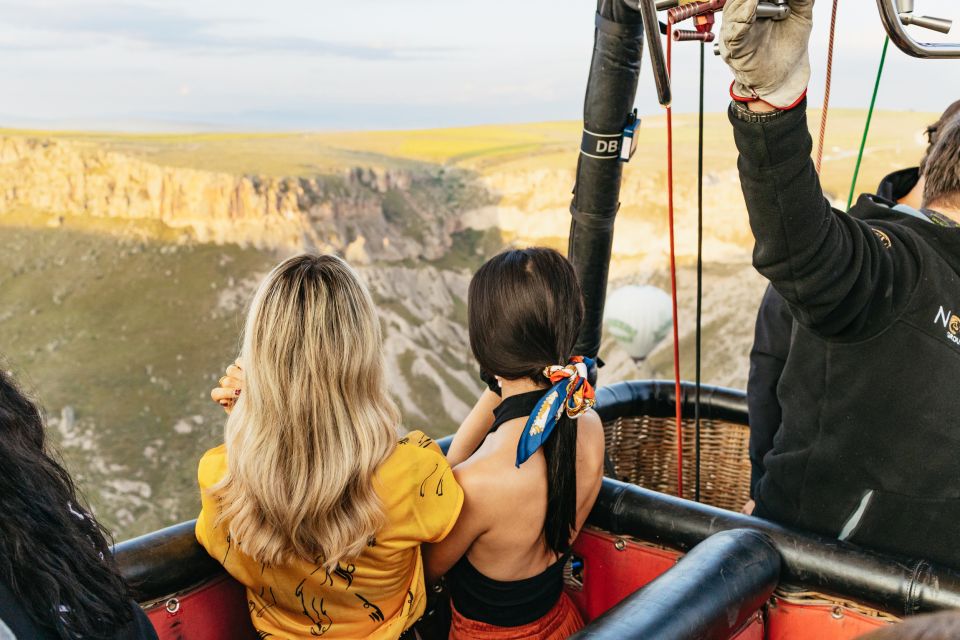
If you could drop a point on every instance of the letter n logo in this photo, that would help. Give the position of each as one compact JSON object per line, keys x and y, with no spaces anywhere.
{"x":943,"y":317}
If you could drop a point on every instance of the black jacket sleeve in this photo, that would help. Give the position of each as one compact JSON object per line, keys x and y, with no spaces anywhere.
{"x":837,"y":274}
{"x":771,"y":345}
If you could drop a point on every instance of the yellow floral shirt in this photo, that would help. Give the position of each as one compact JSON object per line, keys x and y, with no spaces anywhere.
{"x":379,"y":594}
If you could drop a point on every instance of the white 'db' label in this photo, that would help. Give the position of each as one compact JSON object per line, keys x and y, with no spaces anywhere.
{"x":603,"y":146}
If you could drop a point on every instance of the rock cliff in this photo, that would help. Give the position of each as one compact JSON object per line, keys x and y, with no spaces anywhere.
{"x":366,"y":213}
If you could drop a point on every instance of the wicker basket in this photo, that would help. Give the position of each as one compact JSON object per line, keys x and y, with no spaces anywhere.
{"x":643,"y":450}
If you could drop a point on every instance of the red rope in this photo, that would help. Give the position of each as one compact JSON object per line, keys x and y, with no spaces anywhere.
{"x":826,"y":91}
{"x":673,"y":272}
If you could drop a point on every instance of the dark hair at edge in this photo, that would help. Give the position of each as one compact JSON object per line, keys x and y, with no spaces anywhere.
{"x":54,"y":555}
{"x":942,"y":168}
{"x":944,"y":625}
{"x":525,"y":310}
{"x":933,"y":131}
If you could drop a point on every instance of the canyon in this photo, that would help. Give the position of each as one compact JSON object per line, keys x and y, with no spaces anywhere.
{"x":126,"y":264}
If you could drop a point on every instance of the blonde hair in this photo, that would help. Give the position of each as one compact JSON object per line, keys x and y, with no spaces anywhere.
{"x":314,"y":422}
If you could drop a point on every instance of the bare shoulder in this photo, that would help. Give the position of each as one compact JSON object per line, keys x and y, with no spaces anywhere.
{"x":590,"y":462}
{"x":490,"y":479}
{"x":590,"y":435}
{"x":482,"y":493}
{"x":477,"y":478}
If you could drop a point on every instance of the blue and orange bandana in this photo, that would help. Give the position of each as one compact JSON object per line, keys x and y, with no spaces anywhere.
{"x":571,"y":392}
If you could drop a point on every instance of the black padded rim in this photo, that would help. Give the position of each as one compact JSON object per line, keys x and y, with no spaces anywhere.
{"x":164,"y":562}
{"x":900,"y":586}
{"x":657,"y":398}
{"x":171,"y":560}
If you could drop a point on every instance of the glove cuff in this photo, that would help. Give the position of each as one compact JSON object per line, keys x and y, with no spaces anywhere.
{"x":736,"y":91}
{"x":775,"y":103}
{"x":735,"y":95}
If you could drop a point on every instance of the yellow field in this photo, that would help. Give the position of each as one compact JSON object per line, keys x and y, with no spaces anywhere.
{"x":895,"y":141}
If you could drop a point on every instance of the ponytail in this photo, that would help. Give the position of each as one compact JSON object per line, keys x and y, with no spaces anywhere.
{"x":560,"y":452}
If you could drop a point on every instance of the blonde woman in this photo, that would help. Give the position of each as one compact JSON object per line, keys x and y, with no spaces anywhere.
{"x":314,"y":502}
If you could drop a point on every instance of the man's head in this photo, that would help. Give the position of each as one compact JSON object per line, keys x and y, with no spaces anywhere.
{"x":933,"y":131}
{"x":941,"y":168}
{"x":949,"y":114}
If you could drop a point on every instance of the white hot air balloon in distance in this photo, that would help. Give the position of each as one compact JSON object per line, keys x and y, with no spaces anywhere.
{"x":639,"y":317}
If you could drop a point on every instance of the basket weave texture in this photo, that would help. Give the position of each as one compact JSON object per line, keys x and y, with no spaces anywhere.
{"x":644,"y":452}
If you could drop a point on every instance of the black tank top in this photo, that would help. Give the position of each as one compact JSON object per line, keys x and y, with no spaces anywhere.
{"x":514,"y":603}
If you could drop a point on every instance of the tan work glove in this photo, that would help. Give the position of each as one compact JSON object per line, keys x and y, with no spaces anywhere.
{"x":769,"y":58}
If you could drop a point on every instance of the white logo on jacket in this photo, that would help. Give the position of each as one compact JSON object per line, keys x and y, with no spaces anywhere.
{"x":950,"y":322}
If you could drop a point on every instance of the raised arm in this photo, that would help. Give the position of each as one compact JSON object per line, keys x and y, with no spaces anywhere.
{"x":473,"y":429}
{"x":837,"y":272}
{"x":834,"y":270}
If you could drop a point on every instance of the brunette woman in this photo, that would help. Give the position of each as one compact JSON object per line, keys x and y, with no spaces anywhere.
{"x":533,"y":480}
{"x":57,"y":575}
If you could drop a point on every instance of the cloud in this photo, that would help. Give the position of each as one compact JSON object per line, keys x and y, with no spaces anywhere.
{"x":70,"y":25}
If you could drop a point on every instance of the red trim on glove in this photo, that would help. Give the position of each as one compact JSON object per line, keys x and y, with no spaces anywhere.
{"x":796,"y":102}
{"x":739,"y":98}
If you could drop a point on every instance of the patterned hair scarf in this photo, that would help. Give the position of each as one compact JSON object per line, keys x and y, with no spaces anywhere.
{"x":571,"y":393}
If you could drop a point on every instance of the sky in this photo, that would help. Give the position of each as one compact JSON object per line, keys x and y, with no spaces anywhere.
{"x":376,"y":64}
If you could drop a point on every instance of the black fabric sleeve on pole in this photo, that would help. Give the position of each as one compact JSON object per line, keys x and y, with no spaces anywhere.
{"x":611,"y":89}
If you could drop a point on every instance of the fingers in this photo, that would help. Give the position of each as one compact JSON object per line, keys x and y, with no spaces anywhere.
{"x":743,"y":11}
{"x":220,"y":394}
{"x":740,"y":35}
{"x":802,"y":8}
{"x":229,"y":387}
{"x":226,"y":397}
{"x":229,"y":382}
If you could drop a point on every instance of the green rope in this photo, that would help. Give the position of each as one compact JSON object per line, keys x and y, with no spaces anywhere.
{"x":866,"y":129}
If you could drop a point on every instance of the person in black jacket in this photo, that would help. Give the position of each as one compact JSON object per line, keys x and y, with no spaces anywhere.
{"x":58,"y":580}
{"x":868,"y":447}
{"x":774,"y":322}
{"x":771,"y":345}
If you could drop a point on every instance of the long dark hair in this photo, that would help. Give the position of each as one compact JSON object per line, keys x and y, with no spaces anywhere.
{"x":54,"y":555}
{"x":525,"y":309}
